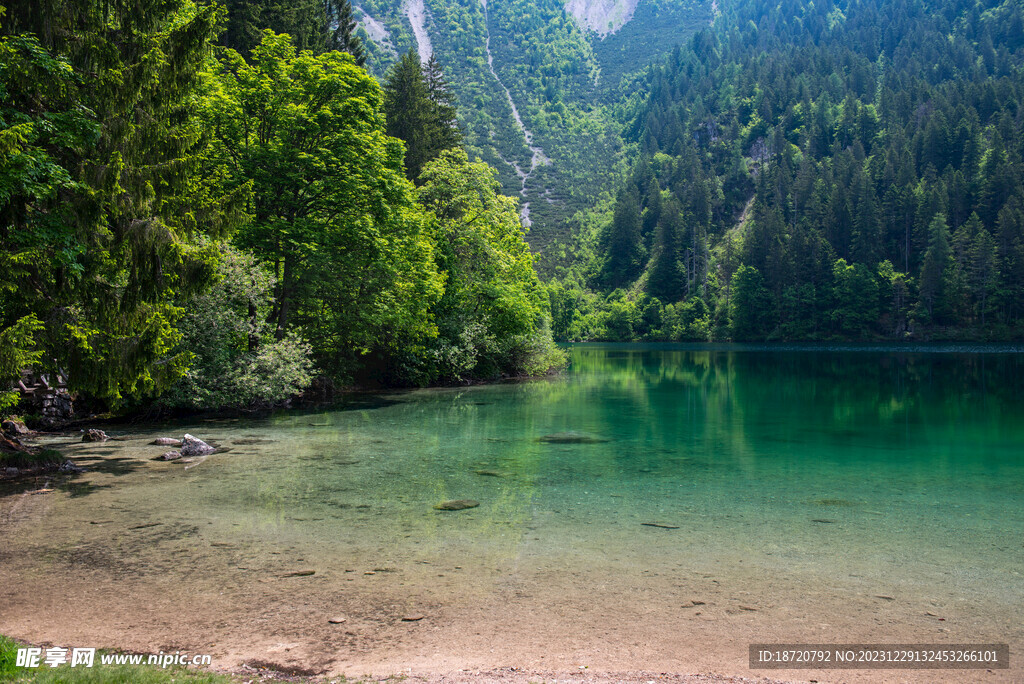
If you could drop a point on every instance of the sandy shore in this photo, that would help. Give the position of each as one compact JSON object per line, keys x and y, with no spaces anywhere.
{"x":81,"y":567}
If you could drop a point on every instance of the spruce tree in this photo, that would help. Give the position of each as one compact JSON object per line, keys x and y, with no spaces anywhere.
{"x":420,"y":109}
{"x":101,"y":252}
{"x":306,"y":21}
{"x":666,"y":281}
{"x":935,"y":271}
{"x":622,"y":242}
{"x":444,"y":120}
{"x":341,"y":30}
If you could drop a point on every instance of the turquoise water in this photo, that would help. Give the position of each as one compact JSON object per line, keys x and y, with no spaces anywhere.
{"x":793,"y":473}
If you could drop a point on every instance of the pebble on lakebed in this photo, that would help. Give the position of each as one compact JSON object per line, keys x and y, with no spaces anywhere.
{"x":457,"y":505}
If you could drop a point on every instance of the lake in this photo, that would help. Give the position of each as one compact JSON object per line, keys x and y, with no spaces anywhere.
{"x":655,"y":507}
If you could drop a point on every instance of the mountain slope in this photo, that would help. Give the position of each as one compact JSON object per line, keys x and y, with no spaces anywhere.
{"x":540,"y":91}
{"x":877,"y":145}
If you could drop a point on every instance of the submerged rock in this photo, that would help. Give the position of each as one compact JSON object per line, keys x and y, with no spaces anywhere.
{"x":571,"y":438}
{"x":168,"y":456}
{"x":191,"y":446}
{"x":490,"y":473}
{"x":166,"y":441}
{"x":94,"y":435}
{"x":252,"y":440}
{"x":457,"y":505}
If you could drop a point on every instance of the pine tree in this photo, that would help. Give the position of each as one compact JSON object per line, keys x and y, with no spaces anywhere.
{"x":102,"y":252}
{"x":622,"y":242}
{"x":305,"y":21}
{"x":936,"y":270}
{"x":420,"y":110}
{"x":983,"y":271}
{"x":666,"y":281}
{"x":444,"y":119}
{"x":341,"y":27}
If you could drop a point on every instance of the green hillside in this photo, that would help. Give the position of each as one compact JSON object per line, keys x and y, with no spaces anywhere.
{"x":818,"y":171}
{"x":565,"y":81}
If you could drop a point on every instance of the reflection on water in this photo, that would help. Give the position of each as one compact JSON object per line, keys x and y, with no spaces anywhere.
{"x":857,"y":470}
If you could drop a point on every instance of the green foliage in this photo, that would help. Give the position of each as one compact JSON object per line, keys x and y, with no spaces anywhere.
{"x":331,"y":214}
{"x":343,"y":37}
{"x":420,"y":110}
{"x":315,"y":25}
{"x":855,"y":310}
{"x":236,"y":362}
{"x":17,"y":351}
{"x":857,"y":158}
{"x":99,"y":139}
{"x":623,"y":244}
{"x":492,"y":318}
{"x":751,"y":305}
{"x":570,"y":86}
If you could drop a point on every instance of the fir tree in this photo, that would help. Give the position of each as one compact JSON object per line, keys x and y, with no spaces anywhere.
{"x":420,"y":110}
{"x":935,"y":271}
{"x":98,"y":238}
{"x":341,"y":27}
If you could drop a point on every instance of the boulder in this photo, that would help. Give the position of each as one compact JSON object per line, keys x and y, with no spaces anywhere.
{"x":166,"y":441}
{"x":192,"y":446}
{"x":15,"y":428}
{"x":94,"y":435}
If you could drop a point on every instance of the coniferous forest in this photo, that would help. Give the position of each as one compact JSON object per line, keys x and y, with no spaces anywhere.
{"x":835,"y":171}
{"x":211,"y":205}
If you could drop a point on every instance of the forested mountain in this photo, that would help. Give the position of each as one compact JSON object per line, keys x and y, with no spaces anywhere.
{"x":540,"y":84}
{"x":819,"y":171}
{"x":211,"y":204}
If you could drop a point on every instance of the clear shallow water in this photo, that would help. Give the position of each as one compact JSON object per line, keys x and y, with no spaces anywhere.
{"x":787,"y":475}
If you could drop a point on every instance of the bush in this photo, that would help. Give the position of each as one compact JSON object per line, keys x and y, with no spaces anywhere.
{"x":236,"y":360}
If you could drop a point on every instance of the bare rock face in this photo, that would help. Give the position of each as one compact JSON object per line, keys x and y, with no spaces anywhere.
{"x":192,"y":447}
{"x":94,"y":435}
{"x":166,"y":441}
{"x":601,"y":16}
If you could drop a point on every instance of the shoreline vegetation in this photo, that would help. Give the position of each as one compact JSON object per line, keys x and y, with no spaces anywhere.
{"x":204,"y":214}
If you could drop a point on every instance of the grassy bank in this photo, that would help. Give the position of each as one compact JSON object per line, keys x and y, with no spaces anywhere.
{"x":102,"y":674}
